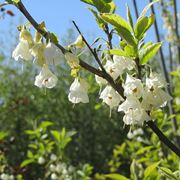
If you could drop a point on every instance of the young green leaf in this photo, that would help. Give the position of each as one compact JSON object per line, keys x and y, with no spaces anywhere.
{"x":102,"y":5}
{"x":129,"y":17}
{"x":150,"y":169}
{"x":168,"y":173}
{"x":147,"y":8}
{"x":142,"y":25}
{"x":118,"y":52}
{"x":101,"y":23}
{"x":26,"y":162}
{"x":147,"y":53}
{"x":122,"y":27}
{"x":116,"y":177}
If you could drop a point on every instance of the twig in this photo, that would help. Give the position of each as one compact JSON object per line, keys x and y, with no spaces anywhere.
{"x":3,"y":4}
{"x":163,"y":138}
{"x":118,"y":88}
{"x":89,"y":47}
{"x":135,"y":8}
{"x":176,"y":26}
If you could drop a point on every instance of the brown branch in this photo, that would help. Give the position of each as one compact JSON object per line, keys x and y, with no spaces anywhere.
{"x":93,"y":70}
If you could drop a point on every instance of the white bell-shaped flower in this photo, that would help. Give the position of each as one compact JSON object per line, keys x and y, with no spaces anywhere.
{"x":78,"y":91}
{"x":124,"y":62}
{"x":52,"y":54}
{"x":155,"y":81}
{"x":110,"y":97}
{"x":155,"y":98}
{"x":22,"y":52}
{"x":38,"y":52}
{"x":46,"y":78}
{"x":134,"y":113}
{"x":113,"y":69}
{"x":133,"y":87}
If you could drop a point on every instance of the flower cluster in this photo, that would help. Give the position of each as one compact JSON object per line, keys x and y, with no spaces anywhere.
{"x":139,"y":98}
{"x":5,"y":176}
{"x":59,"y":170}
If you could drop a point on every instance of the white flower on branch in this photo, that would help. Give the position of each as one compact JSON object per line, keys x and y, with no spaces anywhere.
{"x":38,"y":52}
{"x":52,"y":54}
{"x":78,"y":91}
{"x":22,"y":49}
{"x":124,"y":62}
{"x":154,"y":96}
{"x":46,"y":78}
{"x":110,"y":97}
{"x":116,"y":67}
{"x":133,"y":87}
{"x":134,"y":113}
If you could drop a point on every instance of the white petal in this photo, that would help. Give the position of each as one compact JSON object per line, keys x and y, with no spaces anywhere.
{"x":22,"y":51}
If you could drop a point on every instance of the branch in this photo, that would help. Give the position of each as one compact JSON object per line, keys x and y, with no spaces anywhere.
{"x":89,"y":47}
{"x":3,"y":4}
{"x":135,"y":8}
{"x":163,"y":138}
{"x":176,"y":26}
{"x":93,"y":70}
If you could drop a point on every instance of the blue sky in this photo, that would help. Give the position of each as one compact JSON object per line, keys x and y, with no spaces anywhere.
{"x":58,"y":15}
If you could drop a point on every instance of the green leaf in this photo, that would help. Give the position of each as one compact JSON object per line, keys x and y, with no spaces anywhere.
{"x":150,"y":169}
{"x":102,"y":6}
{"x":122,"y":27}
{"x":56,"y":135}
{"x":30,"y":154}
{"x":46,"y":124}
{"x":116,"y":177}
{"x":26,"y":162}
{"x":101,"y":23}
{"x":16,"y":1}
{"x":142,"y":25}
{"x":168,"y":173}
{"x":118,"y":52}
{"x":147,"y":8}
{"x":147,"y":53}
{"x":129,"y":17}
{"x":3,"y":135}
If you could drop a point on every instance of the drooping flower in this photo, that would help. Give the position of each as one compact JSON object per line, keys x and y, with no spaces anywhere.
{"x":134,"y":113}
{"x":38,"y":52}
{"x":110,"y":97}
{"x":78,"y":91}
{"x":22,"y":52}
{"x":154,"y":96}
{"x":124,"y":62}
{"x":46,"y":78}
{"x":52,"y":54}
{"x":155,"y":81}
{"x":133,"y":87}
{"x":113,"y":69}
{"x":72,"y":60}
{"x":22,"y":49}
{"x":116,"y":67}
